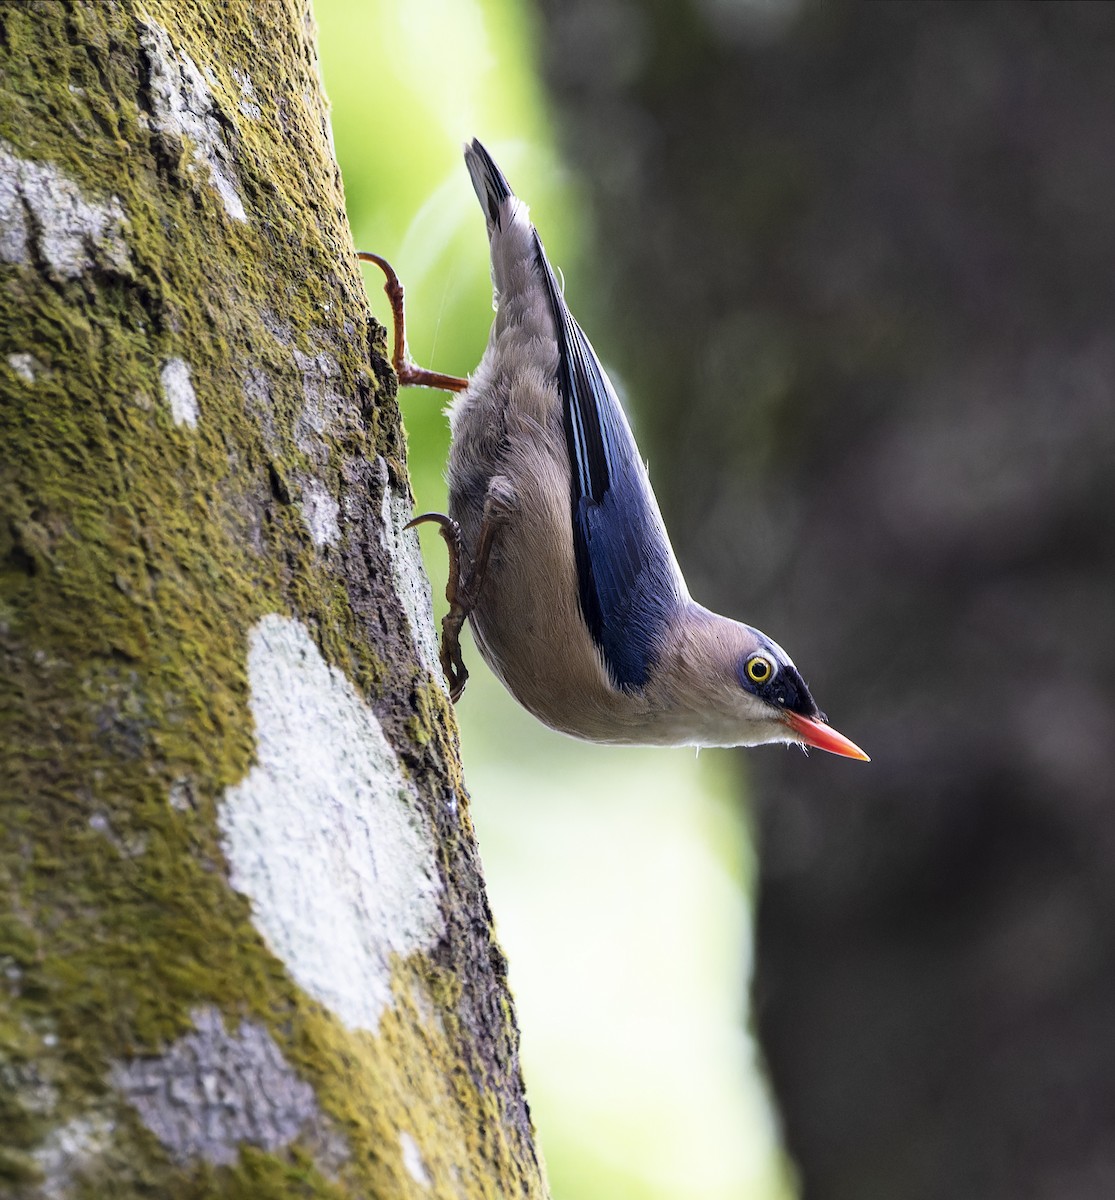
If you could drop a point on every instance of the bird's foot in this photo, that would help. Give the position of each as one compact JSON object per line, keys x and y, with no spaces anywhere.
{"x":408,"y":372}
{"x":462,"y":591}
{"x":452,"y":661}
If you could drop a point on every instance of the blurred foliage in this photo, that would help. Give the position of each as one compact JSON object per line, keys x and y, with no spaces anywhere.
{"x":408,"y":84}
{"x":618,"y":878}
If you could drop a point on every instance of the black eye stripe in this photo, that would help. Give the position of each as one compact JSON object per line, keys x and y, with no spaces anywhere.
{"x":781,"y":686}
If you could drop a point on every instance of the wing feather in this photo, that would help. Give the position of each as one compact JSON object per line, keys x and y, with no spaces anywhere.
{"x":629,"y":584}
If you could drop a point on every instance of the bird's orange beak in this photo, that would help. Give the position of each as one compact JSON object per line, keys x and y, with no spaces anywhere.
{"x":824,"y":737}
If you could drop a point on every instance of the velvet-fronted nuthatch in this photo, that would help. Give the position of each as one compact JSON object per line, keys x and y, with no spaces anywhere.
{"x":558,"y":555}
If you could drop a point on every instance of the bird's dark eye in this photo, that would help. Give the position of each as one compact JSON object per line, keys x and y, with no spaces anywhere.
{"x":759,"y":669}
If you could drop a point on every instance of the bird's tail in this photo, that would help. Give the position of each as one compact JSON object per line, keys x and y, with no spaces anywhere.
{"x":492,"y":189}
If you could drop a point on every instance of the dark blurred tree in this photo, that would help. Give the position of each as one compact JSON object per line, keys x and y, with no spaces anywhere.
{"x":857,"y":267}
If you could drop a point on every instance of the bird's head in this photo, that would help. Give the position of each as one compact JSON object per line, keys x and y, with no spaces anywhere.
{"x":738,"y":687}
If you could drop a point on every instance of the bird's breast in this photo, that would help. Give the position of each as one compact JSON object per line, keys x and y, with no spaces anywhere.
{"x":527,"y":621}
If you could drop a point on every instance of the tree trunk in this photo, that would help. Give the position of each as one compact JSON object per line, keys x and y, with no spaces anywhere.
{"x":246,"y":948}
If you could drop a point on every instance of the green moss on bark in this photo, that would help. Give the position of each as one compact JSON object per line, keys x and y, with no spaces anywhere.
{"x":135,"y":556}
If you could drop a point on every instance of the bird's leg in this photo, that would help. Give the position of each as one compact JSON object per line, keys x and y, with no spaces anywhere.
{"x":452,"y":662}
{"x":462,"y":591}
{"x":496,"y":514}
{"x":410,"y":375}
{"x":466,"y":591}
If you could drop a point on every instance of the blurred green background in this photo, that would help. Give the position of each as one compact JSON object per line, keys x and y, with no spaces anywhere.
{"x":619,"y":879}
{"x":852,"y":264}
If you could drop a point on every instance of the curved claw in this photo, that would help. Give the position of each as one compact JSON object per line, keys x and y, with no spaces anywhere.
{"x":451,"y":533}
{"x":461,"y":591}
{"x":452,"y":661}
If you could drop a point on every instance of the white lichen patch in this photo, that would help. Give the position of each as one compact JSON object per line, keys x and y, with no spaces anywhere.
{"x":325,"y":834}
{"x":29,"y":1084}
{"x":178,"y":391}
{"x":181,"y":795}
{"x":248,"y":105}
{"x":44,"y":214}
{"x":413,"y":1160}
{"x":67,"y":1151}
{"x":184,"y":109}
{"x":320,"y":513}
{"x":26,"y":366}
{"x":412,"y":585}
{"x":212,"y":1091}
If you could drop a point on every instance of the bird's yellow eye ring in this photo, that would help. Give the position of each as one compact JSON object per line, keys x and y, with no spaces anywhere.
{"x":759,"y":669}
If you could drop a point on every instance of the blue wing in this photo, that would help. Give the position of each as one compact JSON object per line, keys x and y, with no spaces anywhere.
{"x":628,"y":580}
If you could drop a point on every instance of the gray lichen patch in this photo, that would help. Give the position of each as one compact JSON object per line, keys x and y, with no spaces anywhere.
{"x":259,"y":403}
{"x":178,"y":391}
{"x":320,"y":513}
{"x":185,"y":110}
{"x":32,"y":1085}
{"x":45,"y":215}
{"x":412,"y":585}
{"x":213,"y":1091}
{"x":321,"y":415}
{"x":68,"y":1151}
{"x":326,"y":835}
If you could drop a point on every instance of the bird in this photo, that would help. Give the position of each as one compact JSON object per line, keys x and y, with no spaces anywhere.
{"x":559,"y":557}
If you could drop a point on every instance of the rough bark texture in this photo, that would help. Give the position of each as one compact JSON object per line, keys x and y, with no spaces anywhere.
{"x":856,"y":260}
{"x":244,"y":941}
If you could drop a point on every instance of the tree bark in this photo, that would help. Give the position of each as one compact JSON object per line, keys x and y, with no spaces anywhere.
{"x":245,"y":943}
{"x":854,"y":261}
